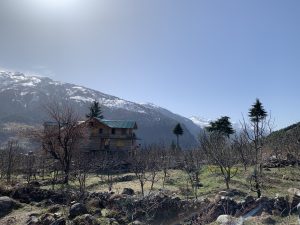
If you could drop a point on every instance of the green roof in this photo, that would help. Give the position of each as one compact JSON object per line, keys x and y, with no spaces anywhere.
{"x":126,"y":124}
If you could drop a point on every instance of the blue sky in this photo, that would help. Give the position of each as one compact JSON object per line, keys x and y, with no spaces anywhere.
{"x":206,"y":58}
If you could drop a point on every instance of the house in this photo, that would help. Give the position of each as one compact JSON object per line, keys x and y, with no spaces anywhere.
{"x":105,"y":135}
{"x":110,"y":135}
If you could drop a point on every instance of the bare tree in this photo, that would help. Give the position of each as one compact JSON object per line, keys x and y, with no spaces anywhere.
{"x":10,"y":157}
{"x":243,"y":149}
{"x":220,"y":151}
{"x":192,"y":163}
{"x":29,"y":160}
{"x":62,"y":136}
{"x":139,"y":166}
{"x":165,"y":160}
{"x":153,"y":164}
{"x":83,"y":166}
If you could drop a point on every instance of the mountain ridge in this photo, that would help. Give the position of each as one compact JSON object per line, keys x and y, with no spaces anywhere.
{"x":22,"y":95}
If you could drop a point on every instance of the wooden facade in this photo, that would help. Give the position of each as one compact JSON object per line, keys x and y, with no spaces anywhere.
{"x":104,"y":135}
{"x":109,"y":135}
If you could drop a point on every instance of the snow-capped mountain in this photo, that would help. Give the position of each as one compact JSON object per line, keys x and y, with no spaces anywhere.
{"x":22,"y":97}
{"x":199,"y":121}
{"x":202,"y":123}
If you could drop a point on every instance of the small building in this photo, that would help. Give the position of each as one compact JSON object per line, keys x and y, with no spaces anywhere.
{"x":104,"y":135}
{"x":110,"y":135}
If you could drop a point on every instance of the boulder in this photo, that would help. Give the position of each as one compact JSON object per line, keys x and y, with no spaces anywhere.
{"x":137,"y":222}
{"x":77,"y":209}
{"x":54,"y":208}
{"x":60,"y":221}
{"x":128,"y":191}
{"x":7,"y":205}
{"x":298,"y":209}
{"x":28,"y":194}
{"x":226,"y":220}
{"x":33,"y":220}
{"x":281,"y":206}
{"x":85,"y":219}
{"x":268,"y":220}
{"x":47,"y":219}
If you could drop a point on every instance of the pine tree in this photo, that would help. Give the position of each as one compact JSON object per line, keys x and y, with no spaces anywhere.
{"x":257,"y":113}
{"x":178,"y":131}
{"x":223,"y":126}
{"x":95,"y":111}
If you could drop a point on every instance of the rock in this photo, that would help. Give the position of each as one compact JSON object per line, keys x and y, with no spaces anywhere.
{"x":60,"y":221}
{"x":137,"y":222}
{"x":47,"y":219}
{"x":77,"y":209}
{"x":226,"y":220}
{"x":57,"y":215}
{"x":223,"y":193}
{"x":7,"y":205}
{"x":128,"y":191}
{"x":281,"y":206}
{"x":85,"y":219}
{"x":294,"y":191}
{"x":54,"y":208}
{"x":35,"y":184}
{"x":33,"y":220}
{"x":29,"y":194}
{"x":298,"y":209}
{"x":268,"y":220}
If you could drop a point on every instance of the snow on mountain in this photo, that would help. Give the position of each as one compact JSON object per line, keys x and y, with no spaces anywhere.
{"x":18,"y":81}
{"x":21,"y":98}
{"x":202,"y":122}
{"x":199,"y":121}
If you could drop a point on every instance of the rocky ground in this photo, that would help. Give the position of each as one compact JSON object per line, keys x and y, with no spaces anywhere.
{"x":29,"y":205}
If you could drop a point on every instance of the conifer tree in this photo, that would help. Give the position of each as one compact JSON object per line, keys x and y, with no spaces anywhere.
{"x":256,"y":133}
{"x":222,"y":126}
{"x":178,"y":131}
{"x":95,"y":111}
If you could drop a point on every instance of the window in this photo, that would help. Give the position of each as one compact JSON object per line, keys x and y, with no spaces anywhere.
{"x":91,"y":124}
{"x":113,"y":131}
{"x":100,"y":131}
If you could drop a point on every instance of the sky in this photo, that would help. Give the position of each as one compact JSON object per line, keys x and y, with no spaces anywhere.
{"x":205,"y":58}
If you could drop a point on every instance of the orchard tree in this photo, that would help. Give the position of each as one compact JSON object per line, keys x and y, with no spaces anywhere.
{"x":95,"y":111}
{"x":219,"y":148}
{"x":258,"y":128}
{"x":61,"y":137}
{"x":178,"y":131}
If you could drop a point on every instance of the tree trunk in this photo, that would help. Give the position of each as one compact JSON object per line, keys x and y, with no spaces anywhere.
{"x":227,"y":183}
{"x":142,"y":188}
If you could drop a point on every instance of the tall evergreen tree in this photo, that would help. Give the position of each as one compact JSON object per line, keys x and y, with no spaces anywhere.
{"x":95,"y":111}
{"x":178,"y":131}
{"x":257,"y":113}
{"x":223,"y":126}
{"x":257,"y":116}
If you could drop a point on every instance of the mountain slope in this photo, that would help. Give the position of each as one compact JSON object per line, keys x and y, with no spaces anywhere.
{"x":22,"y":98}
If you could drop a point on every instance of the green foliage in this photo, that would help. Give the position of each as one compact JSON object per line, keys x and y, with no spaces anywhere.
{"x":95,"y":111}
{"x":222,"y":126}
{"x":178,"y":130}
{"x":257,"y":112}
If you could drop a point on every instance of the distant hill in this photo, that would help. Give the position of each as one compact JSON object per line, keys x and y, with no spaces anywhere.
{"x":286,"y":140}
{"x":22,"y":97}
{"x":290,"y":131}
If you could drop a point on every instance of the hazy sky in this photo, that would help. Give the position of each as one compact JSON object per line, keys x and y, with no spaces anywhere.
{"x":206,"y":58}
